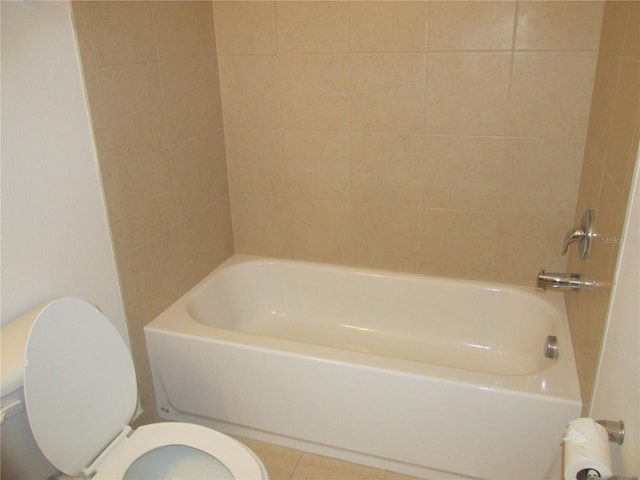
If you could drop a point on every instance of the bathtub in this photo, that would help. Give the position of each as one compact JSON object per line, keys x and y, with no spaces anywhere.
{"x":426,"y":376}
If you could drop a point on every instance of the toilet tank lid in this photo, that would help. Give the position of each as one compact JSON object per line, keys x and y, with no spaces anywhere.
{"x":13,"y":345}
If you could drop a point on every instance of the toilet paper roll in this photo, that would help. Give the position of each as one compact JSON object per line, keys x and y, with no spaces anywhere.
{"x":586,"y":446}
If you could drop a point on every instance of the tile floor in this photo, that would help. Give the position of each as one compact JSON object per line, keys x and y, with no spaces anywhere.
{"x":289,"y":464}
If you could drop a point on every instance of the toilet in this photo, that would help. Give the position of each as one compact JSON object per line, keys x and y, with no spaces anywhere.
{"x":66,"y":366}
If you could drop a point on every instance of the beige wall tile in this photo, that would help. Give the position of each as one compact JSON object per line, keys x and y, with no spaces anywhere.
{"x":625,"y":113}
{"x":312,"y":26}
{"x":318,"y":230}
{"x":207,"y":29}
{"x":608,"y":220}
{"x":123,"y":32}
{"x":316,"y":164}
{"x":609,"y":135}
{"x":259,"y":224}
{"x":614,"y":26}
{"x":221,"y":182}
{"x":464,"y":173}
{"x":385,"y":236}
{"x":563,"y":25}
{"x":387,"y":92}
{"x":633,"y":156}
{"x":85,"y":34}
{"x":250,"y":91}
{"x":590,"y":183}
{"x":471,"y":25}
{"x":146,"y":188}
{"x":461,"y":94}
{"x":519,"y":255}
{"x":632,"y":32}
{"x":542,"y":176}
{"x":203,"y":244}
{"x":457,"y":244}
{"x":467,"y":93}
{"x":179,"y":28}
{"x":388,"y":26}
{"x":194,"y":174}
{"x":223,"y":246}
{"x":163,"y":163}
{"x":196,"y":232}
{"x":81,"y":13}
{"x":212,"y":95}
{"x":603,"y":102}
{"x":188,"y":105}
{"x":158,"y":274}
{"x":134,"y":105}
{"x":314,"y":91}
{"x":587,"y":327}
{"x":386,"y":168}
{"x":254,"y":160}
{"x":551,"y":94}
{"x":246,"y":27}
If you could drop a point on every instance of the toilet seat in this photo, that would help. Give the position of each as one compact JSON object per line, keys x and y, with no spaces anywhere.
{"x":80,"y":392}
{"x":234,"y":456}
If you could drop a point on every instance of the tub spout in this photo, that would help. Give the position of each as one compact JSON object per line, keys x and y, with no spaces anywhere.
{"x":561,"y":281}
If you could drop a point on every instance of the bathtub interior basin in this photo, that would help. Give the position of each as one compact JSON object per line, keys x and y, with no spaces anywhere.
{"x":468,"y":325}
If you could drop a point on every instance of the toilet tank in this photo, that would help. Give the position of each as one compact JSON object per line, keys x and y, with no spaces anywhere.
{"x":21,"y":457}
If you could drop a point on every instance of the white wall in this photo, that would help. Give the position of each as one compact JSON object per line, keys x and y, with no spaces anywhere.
{"x":617,"y":391}
{"x":55,"y":239}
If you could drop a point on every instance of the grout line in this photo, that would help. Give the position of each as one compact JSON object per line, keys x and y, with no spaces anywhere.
{"x":407,"y":132}
{"x":351,"y":254}
{"x":423,"y":160}
{"x":295,"y":467}
{"x":407,"y":52}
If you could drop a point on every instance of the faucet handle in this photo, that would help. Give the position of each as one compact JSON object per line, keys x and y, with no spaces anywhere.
{"x":582,"y":234}
{"x":574,"y":235}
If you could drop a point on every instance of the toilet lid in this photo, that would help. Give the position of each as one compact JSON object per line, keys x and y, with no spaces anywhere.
{"x":79,"y":383}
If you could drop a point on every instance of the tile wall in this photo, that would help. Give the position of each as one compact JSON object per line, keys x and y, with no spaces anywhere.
{"x":610,"y":157}
{"x":437,"y":137}
{"x":151,"y":77}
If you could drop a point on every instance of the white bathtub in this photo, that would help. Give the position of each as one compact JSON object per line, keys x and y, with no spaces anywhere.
{"x":421,"y":375}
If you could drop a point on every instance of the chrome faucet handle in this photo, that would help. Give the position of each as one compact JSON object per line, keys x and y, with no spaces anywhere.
{"x":582,"y":234}
{"x":573,"y":235}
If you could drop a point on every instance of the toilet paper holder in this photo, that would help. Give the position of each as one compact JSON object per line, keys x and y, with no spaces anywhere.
{"x":615,"y":430}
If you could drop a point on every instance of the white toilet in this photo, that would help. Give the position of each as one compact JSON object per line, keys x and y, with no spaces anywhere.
{"x":74,"y":373}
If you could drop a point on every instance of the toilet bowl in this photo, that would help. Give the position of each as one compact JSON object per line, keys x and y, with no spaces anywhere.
{"x":79,"y":393}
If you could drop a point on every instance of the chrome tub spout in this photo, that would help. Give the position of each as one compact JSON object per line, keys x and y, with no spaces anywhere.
{"x":565,"y":282}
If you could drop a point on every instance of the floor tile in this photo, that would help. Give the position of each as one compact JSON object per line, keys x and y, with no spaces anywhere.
{"x":316,"y":467}
{"x":280,"y":462}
